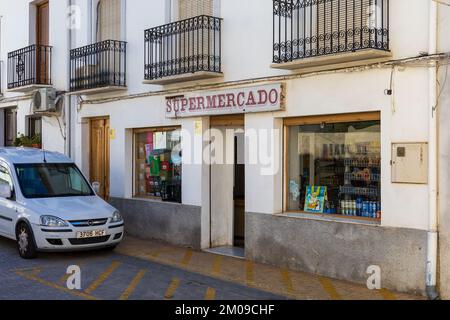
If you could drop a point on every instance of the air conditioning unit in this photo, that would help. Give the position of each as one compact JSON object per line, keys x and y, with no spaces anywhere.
{"x":44,"y":100}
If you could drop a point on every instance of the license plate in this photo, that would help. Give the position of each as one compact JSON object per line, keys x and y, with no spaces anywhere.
{"x":90,"y":234}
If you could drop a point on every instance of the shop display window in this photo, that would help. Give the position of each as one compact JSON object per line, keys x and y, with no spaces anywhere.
{"x":334,"y":168}
{"x":157,"y":164}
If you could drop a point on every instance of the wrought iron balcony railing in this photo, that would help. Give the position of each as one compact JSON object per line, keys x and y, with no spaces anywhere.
{"x":310,"y":28}
{"x":98,"y":65}
{"x":30,"y":66}
{"x":182,"y":47}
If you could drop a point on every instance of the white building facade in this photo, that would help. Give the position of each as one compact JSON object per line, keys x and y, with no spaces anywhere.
{"x":306,"y":134}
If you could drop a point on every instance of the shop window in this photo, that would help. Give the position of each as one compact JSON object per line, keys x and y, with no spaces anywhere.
{"x":158,"y":164}
{"x":334,"y":166}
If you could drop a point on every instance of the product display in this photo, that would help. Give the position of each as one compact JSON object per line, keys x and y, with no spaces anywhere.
{"x":344,"y":160}
{"x":158,"y":165}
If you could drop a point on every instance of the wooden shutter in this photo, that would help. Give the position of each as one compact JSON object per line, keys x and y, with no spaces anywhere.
{"x":342,"y":16}
{"x":198,"y":46}
{"x":108,"y":20}
{"x":192,"y":8}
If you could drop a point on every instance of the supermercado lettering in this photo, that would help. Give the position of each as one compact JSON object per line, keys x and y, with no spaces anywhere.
{"x":241,"y":100}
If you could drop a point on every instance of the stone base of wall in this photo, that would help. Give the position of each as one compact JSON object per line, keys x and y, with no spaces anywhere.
{"x":169,"y":222}
{"x":444,"y":266}
{"x":339,"y":250}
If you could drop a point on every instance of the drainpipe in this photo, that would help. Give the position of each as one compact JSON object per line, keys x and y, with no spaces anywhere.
{"x":432,"y":235}
{"x":69,"y":98}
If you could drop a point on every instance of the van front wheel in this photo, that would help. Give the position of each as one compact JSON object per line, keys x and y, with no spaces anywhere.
{"x":25,"y":242}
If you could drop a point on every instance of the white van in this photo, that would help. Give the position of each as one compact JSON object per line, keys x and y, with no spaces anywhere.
{"x":46,"y":204}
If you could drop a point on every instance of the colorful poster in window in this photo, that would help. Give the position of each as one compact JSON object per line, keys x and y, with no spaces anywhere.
{"x":155,"y":166}
{"x":148,"y":151}
{"x":315,"y":199}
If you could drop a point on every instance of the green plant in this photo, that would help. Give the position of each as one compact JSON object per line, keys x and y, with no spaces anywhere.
{"x":26,"y":141}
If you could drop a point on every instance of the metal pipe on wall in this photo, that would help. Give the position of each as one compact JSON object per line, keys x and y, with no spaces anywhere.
{"x":432,"y":234}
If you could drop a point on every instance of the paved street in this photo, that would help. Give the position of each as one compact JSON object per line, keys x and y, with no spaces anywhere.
{"x":151,"y":270}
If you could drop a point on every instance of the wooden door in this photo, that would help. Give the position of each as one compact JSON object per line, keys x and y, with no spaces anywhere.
{"x":10,"y":125}
{"x":42,"y":39}
{"x":99,"y":155}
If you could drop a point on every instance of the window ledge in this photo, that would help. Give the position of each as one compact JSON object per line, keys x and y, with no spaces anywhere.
{"x":98,"y":90}
{"x":347,"y":59}
{"x":30,"y":88}
{"x":153,"y":200}
{"x":198,"y":75}
{"x":331,"y":218}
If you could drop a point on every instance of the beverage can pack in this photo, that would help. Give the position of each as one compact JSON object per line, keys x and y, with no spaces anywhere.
{"x":365,"y":209}
{"x":374,"y":210}
{"x":359,"y":206}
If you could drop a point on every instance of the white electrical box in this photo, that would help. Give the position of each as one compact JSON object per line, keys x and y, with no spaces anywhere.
{"x":410,"y":163}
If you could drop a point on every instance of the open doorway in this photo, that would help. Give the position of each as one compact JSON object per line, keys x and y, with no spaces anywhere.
{"x":227,"y":229}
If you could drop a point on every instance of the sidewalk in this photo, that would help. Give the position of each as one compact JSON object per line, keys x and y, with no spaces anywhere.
{"x":288,"y":283}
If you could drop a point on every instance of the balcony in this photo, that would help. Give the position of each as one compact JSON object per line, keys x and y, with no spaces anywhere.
{"x":98,"y":67}
{"x":313,"y":34}
{"x":29,"y":68}
{"x":183,"y":51}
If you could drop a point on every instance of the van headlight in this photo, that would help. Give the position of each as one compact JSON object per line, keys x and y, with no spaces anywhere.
{"x":51,"y":221}
{"x":116,"y":217}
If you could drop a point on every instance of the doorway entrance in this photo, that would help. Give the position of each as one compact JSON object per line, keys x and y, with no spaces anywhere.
{"x":227,"y":214}
{"x":10,"y":125}
{"x":99,"y":155}
{"x":42,"y":39}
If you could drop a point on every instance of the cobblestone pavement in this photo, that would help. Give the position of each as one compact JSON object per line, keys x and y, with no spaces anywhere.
{"x":140,"y":269}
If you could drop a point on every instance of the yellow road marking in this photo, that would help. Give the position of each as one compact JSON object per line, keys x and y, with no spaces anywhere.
{"x":102,"y":277}
{"x":187,"y":258}
{"x":233,"y":278}
{"x":36,"y":271}
{"x":287,"y":282}
{"x":387,"y":295}
{"x":217,"y":265}
{"x":158,"y":252}
{"x":329,"y":288}
{"x":210,"y":294}
{"x":33,"y":277}
{"x":133,"y":284}
{"x":249,"y":272}
{"x":172,"y":288}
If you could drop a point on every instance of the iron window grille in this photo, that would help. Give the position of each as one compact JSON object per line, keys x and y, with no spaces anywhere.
{"x":98,"y":65}
{"x":182,"y":47}
{"x":30,"y":66}
{"x":309,"y":28}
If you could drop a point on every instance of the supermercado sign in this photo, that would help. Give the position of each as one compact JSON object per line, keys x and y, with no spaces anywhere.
{"x":241,"y":100}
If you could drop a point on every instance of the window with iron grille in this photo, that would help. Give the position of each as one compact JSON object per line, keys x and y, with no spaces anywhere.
{"x":188,"y":45}
{"x":103,"y":63}
{"x":307,"y":28}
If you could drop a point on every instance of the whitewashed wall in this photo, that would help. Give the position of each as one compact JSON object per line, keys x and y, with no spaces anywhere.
{"x":17,"y":32}
{"x":247,"y":53}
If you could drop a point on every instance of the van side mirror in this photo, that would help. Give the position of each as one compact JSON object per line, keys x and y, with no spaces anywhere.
{"x":5,"y":191}
{"x":96,"y":186}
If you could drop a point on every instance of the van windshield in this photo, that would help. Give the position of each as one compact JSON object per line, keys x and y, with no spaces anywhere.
{"x":48,"y":180}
